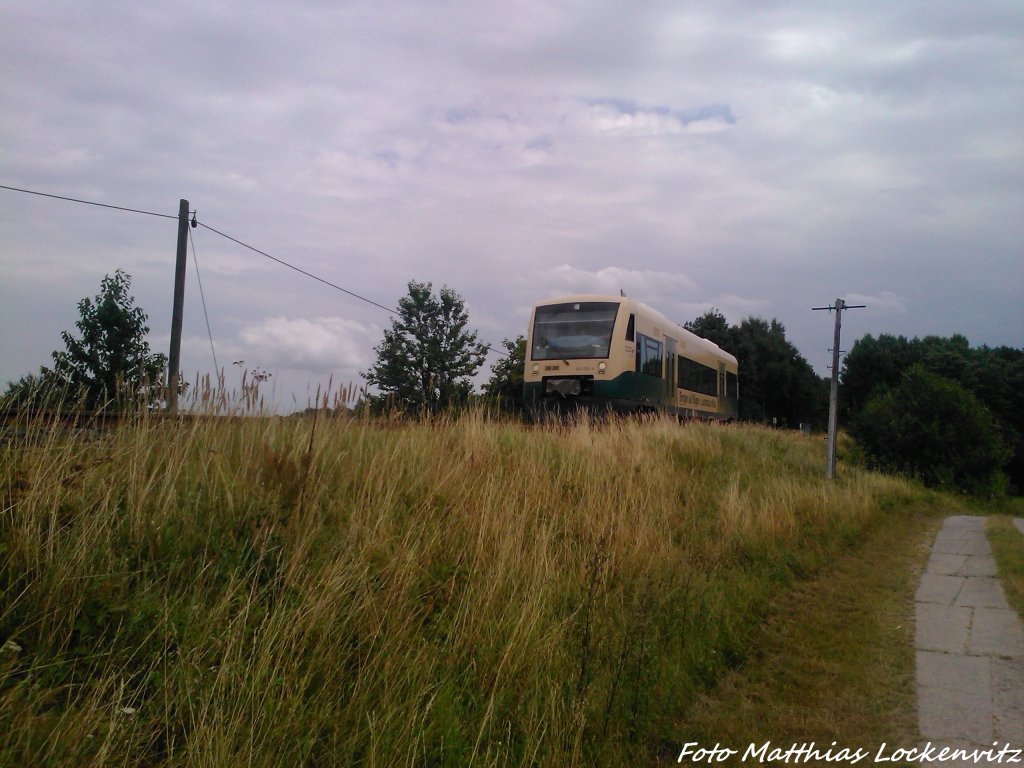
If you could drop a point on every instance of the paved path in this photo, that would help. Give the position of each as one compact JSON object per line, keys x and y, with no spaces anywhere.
{"x":970,"y":645}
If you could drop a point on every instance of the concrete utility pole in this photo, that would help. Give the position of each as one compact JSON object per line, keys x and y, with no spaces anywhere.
{"x":174,"y":358}
{"x":833,"y":399}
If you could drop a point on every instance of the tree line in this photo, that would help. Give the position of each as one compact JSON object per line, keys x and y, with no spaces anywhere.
{"x":777,"y":384}
{"x":934,"y":408}
{"x":938,"y":409}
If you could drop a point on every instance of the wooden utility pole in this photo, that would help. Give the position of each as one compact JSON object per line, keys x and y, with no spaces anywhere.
{"x":833,"y":398}
{"x":174,"y":358}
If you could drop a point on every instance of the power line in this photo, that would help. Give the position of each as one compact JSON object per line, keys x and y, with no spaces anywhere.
{"x":88,"y":202}
{"x":337,"y":287}
{"x":389,"y":310}
{"x":207,"y":226}
{"x":283,"y":263}
{"x":202,"y":296}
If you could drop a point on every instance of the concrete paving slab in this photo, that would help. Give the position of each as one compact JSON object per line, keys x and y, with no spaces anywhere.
{"x":946,"y":565}
{"x":950,"y":545}
{"x":942,"y":627}
{"x":1019,"y":522}
{"x":971,"y":523}
{"x":936,"y":588}
{"x":946,"y":534}
{"x":995,"y":632}
{"x":978,"y":546}
{"x":954,"y":697}
{"x":970,"y":648}
{"x":979,"y":565}
{"x":982,"y":592}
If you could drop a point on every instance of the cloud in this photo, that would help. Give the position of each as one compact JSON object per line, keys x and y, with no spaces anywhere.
{"x":620,"y":116}
{"x":645,"y":285}
{"x":885,"y":302}
{"x":758,"y":157}
{"x":320,"y":345}
{"x":735,"y":308}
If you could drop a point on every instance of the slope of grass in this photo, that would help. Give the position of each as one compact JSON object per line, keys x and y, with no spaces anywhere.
{"x":461,"y":592}
{"x":834,"y":662}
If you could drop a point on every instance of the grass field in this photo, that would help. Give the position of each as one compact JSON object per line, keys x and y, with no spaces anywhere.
{"x":267,"y":591}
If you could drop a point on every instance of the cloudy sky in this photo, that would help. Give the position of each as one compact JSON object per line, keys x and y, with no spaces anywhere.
{"x":759,"y":157}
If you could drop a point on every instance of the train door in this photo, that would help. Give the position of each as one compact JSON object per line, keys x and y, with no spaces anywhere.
{"x":670,"y":372}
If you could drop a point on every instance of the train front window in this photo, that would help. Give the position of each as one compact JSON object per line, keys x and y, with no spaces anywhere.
{"x":581,"y":329}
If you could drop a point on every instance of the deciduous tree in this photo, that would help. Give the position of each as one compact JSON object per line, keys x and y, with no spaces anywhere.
{"x":776,"y":381}
{"x":931,"y":427}
{"x":713,"y":326}
{"x":506,"y":382}
{"x":994,"y":375}
{"x":427,"y":357}
{"x":111,"y":362}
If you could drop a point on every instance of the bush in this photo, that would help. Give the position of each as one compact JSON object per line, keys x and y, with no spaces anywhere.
{"x":932,"y":428}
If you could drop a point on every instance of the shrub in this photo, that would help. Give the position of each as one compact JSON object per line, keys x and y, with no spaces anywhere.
{"x":932,"y":428}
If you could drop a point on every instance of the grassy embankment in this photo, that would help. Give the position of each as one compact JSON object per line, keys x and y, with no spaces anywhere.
{"x":225,"y":592}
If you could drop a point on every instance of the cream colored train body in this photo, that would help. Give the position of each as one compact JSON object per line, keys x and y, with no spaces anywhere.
{"x":610,"y":352}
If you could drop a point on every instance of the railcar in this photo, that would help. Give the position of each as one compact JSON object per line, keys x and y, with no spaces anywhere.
{"x":614,"y":353}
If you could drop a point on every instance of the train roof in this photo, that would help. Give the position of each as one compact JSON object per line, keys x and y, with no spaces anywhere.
{"x":677,"y":330}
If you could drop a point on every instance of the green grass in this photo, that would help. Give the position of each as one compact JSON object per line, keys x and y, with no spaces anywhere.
{"x":1008,"y":550}
{"x":834,"y":661}
{"x":267,"y":591}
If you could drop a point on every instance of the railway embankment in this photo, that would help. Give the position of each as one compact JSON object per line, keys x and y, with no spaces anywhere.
{"x":291,"y":591}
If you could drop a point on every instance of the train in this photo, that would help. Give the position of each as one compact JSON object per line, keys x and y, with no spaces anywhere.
{"x":612,"y":353}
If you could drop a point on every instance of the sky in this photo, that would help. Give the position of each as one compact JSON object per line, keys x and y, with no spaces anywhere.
{"x":762,"y":158}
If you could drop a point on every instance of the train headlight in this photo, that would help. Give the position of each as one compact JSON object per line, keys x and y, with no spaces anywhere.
{"x":536,"y":368}
{"x":602,"y":367}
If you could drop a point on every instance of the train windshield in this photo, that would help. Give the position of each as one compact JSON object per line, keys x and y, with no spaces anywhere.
{"x":573,"y":330}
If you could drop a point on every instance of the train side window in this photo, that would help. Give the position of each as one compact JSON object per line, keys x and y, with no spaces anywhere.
{"x":629,"y":327}
{"x":731,"y":384}
{"x":697,"y":377}
{"x":648,"y":356}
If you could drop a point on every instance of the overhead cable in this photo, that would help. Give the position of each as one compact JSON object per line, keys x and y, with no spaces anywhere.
{"x":389,"y":310}
{"x":194,"y":223}
{"x":89,"y":202}
{"x":298,"y":269}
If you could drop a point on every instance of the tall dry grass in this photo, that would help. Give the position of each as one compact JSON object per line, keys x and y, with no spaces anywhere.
{"x":460,"y":591}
